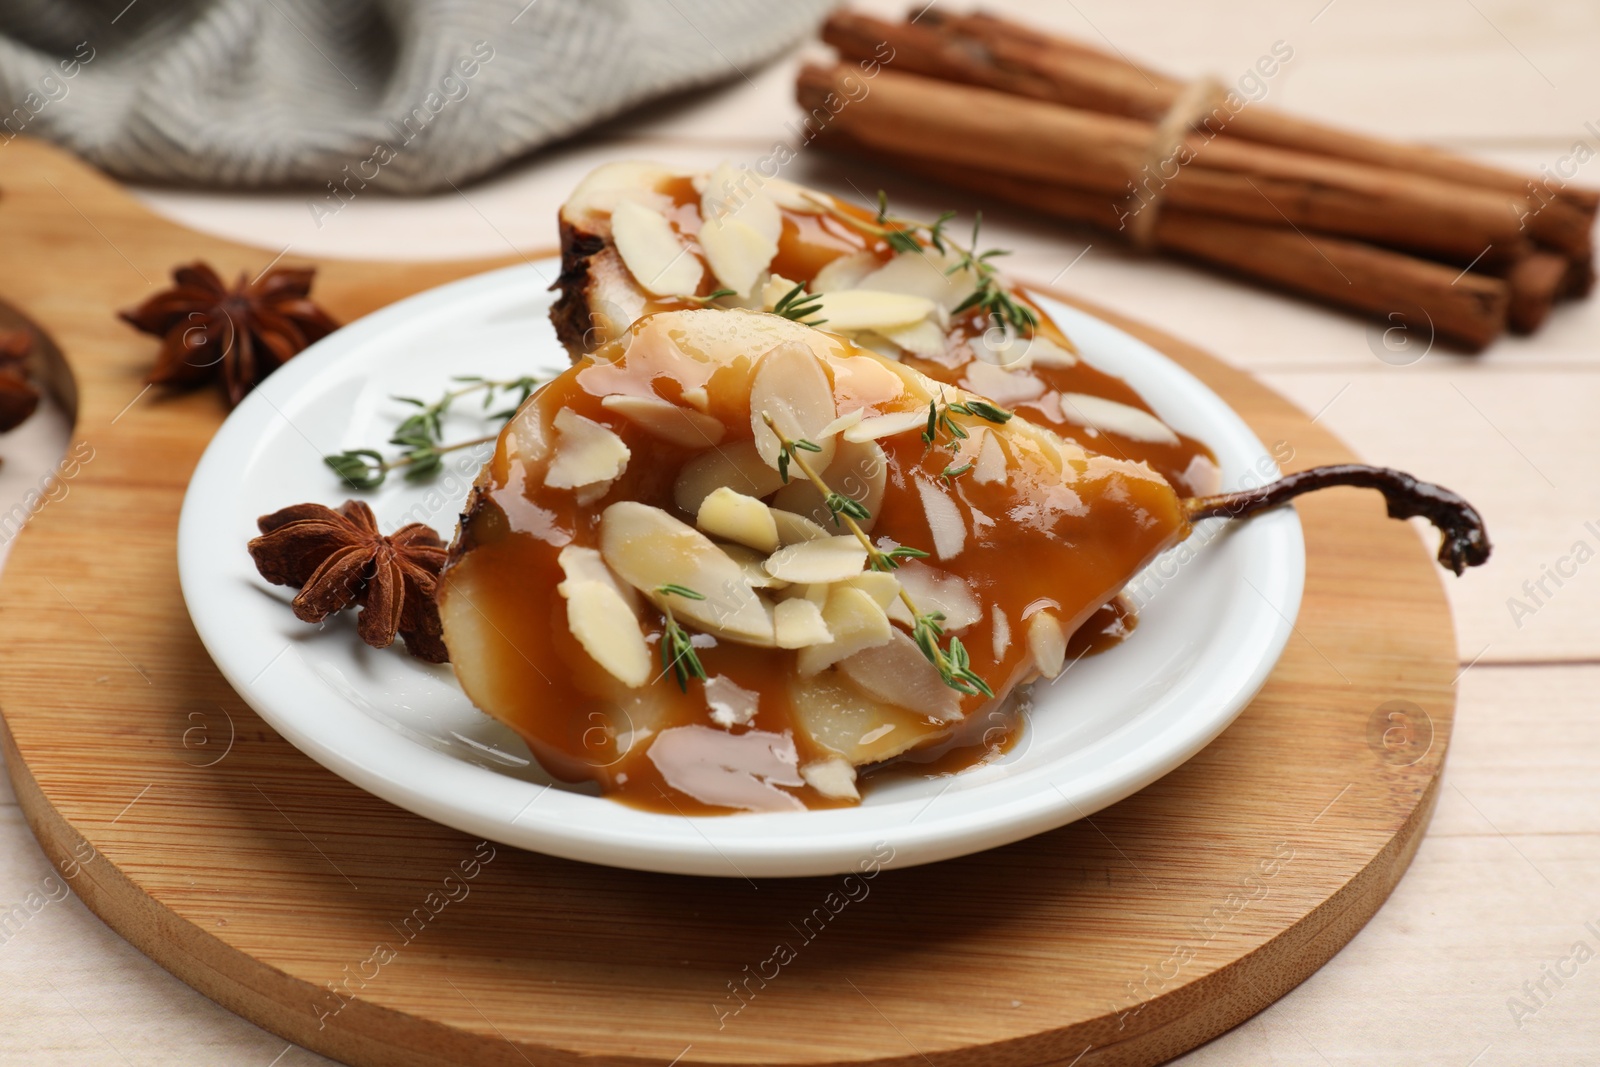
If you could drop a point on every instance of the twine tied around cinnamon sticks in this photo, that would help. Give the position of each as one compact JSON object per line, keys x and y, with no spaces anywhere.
{"x":1198,"y":99}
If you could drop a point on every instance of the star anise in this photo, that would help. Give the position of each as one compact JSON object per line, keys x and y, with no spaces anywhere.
{"x":18,"y":396}
{"x":239,"y":335}
{"x":338,"y":559}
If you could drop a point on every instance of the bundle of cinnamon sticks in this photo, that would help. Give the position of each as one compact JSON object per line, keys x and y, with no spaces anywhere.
{"x":1407,"y":234}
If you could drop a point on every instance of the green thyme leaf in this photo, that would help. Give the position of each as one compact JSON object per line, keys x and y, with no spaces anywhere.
{"x":677,"y":648}
{"x":361,"y":468}
{"x":840,"y":504}
{"x":903,"y":241}
{"x":890,"y":560}
{"x":984,"y":410}
{"x":797,"y":304}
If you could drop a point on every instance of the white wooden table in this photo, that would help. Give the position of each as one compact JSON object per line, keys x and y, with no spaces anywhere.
{"x":1502,"y":888}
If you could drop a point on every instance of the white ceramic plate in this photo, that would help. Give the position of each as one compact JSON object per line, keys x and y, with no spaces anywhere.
{"x":1214,"y":619}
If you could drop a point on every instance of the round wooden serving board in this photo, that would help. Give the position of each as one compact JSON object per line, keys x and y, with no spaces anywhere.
{"x":376,"y":937}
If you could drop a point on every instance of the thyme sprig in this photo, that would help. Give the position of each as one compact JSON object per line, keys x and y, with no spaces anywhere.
{"x":366,"y":468}
{"x":940,"y":421}
{"x":952,"y":472}
{"x":421,"y":434}
{"x":927,"y":628}
{"x":952,"y":661}
{"x":797,"y":304}
{"x":677,"y":651}
{"x":908,"y":235}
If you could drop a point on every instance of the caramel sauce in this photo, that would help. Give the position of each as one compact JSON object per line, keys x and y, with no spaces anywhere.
{"x":1112,"y":623}
{"x":1062,"y":531}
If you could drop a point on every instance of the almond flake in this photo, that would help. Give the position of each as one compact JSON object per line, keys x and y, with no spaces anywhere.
{"x":1001,"y":630}
{"x":731,"y":704}
{"x":990,"y":466}
{"x":944,"y":520}
{"x":580,"y":564}
{"x":790,"y":385}
{"x":737,"y":252}
{"x":603,"y":188}
{"x":1043,"y":352}
{"x":736,"y":517}
{"x":1108,"y":416}
{"x":752,"y":565}
{"x":832,"y":777}
{"x":662,"y":418}
{"x":647,"y":548}
{"x":649,"y":246}
{"x":729,"y":770}
{"x":871,"y":309}
{"x":526,"y":438}
{"x":738,"y":466}
{"x":799,"y":624}
{"x":608,"y":630}
{"x":845,"y":272}
{"x":874,"y":342}
{"x":1002,"y":347}
{"x":792,"y":197}
{"x":737,"y":193}
{"x":1005,"y":386}
{"x":932,"y":590}
{"x":923,"y":338}
{"x":1047,"y":643}
{"x":816,"y":593}
{"x":829,"y":559}
{"x":794,"y":529}
{"x":776,"y":288}
{"x":586,"y":454}
{"x":843,"y":422}
{"x":922,"y":274}
{"x":856,"y":622}
{"x":585,"y":495}
{"x":882,"y":587}
{"x":895,"y":422}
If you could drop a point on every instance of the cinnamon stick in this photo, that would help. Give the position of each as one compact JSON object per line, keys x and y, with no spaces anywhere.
{"x":1090,"y":80}
{"x":1006,"y":55}
{"x":944,"y":123}
{"x":1535,"y":283}
{"x":1463,"y":309}
{"x":1579,"y":281}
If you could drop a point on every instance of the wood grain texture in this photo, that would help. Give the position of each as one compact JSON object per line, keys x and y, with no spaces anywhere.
{"x":261,"y":879}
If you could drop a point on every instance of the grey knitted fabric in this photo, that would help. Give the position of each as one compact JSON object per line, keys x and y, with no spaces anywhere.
{"x":409,"y":95}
